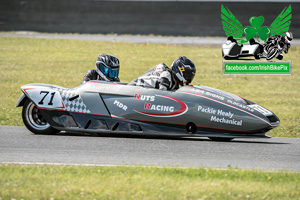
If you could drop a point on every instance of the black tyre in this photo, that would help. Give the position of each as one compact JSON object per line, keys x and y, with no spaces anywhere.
{"x":221,"y":139}
{"x":272,"y":53}
{"x":34,"y":120}
{"x":256,"y":56}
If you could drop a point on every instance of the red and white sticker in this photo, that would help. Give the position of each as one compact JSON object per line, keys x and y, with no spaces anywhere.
{"x":164,"y":110}
{"x":159,"y":68}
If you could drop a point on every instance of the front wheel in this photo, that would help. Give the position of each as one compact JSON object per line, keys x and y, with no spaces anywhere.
{"x":272,"y":53}
{"x":34,"y":120}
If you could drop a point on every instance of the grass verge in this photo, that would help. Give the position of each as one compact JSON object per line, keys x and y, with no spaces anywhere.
{"x":75,"y":182}
{"x":64,"y":62}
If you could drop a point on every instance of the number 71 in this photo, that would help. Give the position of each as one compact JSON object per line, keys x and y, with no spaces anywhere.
{"x":46,"y":93}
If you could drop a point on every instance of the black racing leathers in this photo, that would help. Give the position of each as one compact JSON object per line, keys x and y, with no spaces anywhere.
{"x":159,"y":77}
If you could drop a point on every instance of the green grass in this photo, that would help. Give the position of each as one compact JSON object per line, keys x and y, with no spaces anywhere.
{"x":74,"y":182}
{"x":64,"y":62}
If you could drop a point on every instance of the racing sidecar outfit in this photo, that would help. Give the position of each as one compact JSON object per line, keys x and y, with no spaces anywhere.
{"x":159,"y":77}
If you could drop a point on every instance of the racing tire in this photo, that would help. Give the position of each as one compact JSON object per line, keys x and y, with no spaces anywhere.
{"x":34,"y":120}
{"x":221,"y":139}
{"x":256,"y":56}
{"x":279,"y":57}
{"x":272,"y":53}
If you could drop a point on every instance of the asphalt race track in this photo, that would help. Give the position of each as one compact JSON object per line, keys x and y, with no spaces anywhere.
{"x":18,"y":145}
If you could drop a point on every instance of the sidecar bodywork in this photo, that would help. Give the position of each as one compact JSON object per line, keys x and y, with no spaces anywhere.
{"x":104,"y":107}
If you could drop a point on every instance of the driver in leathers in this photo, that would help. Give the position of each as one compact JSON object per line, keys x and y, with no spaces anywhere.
{"x":162,"y":77}
{"x":107,"y":69}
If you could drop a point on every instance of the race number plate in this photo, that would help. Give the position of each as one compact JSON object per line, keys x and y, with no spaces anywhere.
{"x":45,"y":97}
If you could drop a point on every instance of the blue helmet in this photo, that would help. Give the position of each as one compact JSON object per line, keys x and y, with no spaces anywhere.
{"x":109,"y":66}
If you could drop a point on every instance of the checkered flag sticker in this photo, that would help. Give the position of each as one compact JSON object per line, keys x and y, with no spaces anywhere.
{"x":72,"y":100}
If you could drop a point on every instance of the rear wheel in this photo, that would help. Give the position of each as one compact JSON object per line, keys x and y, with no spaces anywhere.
{"x":34,"y":120}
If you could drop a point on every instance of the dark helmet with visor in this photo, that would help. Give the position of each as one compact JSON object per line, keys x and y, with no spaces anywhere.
{"x":108,"y":66}
{"x":184,"y":69}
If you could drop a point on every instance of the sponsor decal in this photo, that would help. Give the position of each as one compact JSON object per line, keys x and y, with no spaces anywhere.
{"x":144,"y":97}
{"x":120,"y":105}
{"x":215,"y":111}
{"x":222,"y":98}
{"x":235,"y":105}
{"x":225,"y":114}
{"x":226,"y":121}
{"x":245,"y":107}
{"x":207,"y":110}
{"x":158,"y":110}
{"x":149,"y":106}
{"x":222,"y":116}
{"x":207,"y":93}
{"x":159,"y":68}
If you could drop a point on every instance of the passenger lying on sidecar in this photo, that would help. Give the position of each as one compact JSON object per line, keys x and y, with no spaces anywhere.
{"x":162,"y":77}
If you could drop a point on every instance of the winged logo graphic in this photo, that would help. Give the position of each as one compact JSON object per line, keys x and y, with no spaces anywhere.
{"x":241,"y":34}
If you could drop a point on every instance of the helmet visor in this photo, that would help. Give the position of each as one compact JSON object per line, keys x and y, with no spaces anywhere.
{"x":108,"y":71}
